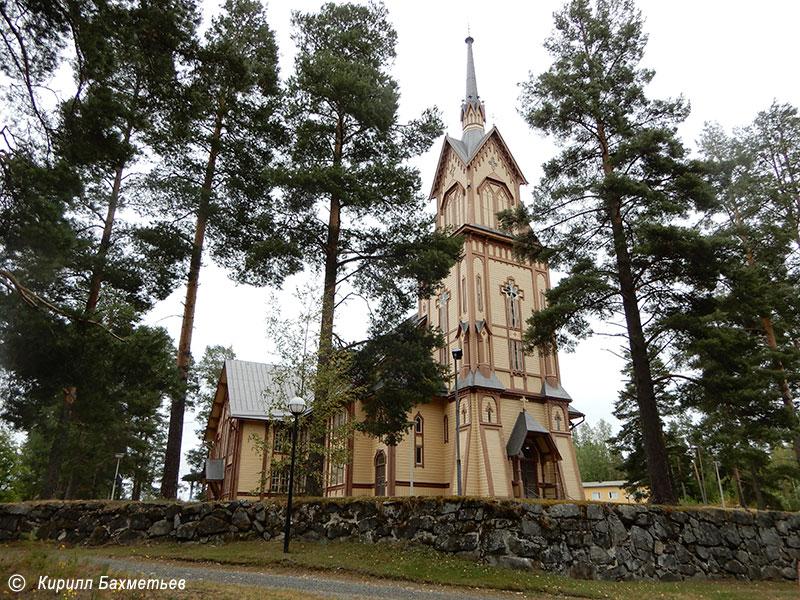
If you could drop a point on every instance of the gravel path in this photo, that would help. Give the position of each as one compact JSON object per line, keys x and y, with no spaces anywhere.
{"x":322,"y":586}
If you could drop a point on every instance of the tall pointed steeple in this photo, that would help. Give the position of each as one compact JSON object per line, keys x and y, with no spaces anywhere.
{"x":473,"y":115}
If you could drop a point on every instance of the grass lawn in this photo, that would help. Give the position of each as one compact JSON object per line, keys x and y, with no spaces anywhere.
{"x":397,"y":562}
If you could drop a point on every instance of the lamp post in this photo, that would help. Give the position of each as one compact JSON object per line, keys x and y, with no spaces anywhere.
{"x":297,"y":406}
{"x":118,"y":456}
{"x":457,"y":354}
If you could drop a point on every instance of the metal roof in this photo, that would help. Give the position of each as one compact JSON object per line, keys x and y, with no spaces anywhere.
{"x":554,"y":391}
{"x":258,"y":390}
{"x":609,"y":483}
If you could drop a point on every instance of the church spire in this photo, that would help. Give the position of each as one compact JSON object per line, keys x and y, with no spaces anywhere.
{"x":473,"y":115}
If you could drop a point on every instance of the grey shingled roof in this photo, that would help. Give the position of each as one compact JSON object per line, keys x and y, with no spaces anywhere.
{"x":256,"y":391}
{"x":524,"y":426}
{"x":555,"y":391}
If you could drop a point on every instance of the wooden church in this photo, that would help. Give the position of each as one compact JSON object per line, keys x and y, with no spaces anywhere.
{"x":509,"y":428}
{"x":514,"y":417}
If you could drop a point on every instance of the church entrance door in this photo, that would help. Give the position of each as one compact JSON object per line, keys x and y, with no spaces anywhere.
{"x":380,"y":474}
{"x":530,"y":482}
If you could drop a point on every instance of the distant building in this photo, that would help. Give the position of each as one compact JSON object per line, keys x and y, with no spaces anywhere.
{"x":244,"y":409}
{"x":515,"y":416}
{"x":611,"y":491}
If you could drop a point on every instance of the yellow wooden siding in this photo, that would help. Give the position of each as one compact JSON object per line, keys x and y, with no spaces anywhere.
{"x":496,"y":452}
{"x":571,"y":477}
{"x":251,"y":459}
{"x":500,"y":348}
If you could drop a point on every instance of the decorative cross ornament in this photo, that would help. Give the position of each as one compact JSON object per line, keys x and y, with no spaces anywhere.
{"x":510,"y":290}
{"x":452,"y":170}
{"x":493,"y":163}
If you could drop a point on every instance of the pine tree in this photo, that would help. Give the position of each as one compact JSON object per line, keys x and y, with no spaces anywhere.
{"x":607,"y":206}
{"x":219,"y":173}
{"x":60,"y":181}
{"x":348,"y":161}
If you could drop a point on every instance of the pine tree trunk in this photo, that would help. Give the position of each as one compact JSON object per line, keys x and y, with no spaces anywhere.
{"x":762,"y":504}
{"x":172,"y":457}
{"x":56,"y":459}
{"x":739,"y":490}
{"x":661,"y":488}
{"x":108,"y":226}
{"x":772,"y":342}
{"x":314,"y":485}
{"x":105,"y":244}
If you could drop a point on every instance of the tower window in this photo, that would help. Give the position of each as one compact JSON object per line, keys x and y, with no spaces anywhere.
{"x":479,"y":292}
{"x":517,"y":361}
{"x":513,"y":312}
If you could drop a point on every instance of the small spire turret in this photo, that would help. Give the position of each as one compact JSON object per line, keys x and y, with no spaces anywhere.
{"x":473,"y":114}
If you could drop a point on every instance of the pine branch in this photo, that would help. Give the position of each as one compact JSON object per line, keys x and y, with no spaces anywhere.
{"x":34,"y":300}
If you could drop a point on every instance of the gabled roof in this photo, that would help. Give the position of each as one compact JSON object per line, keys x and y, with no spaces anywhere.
{"x":254,"y":390}
{"x":463,"y":153}
{"x":258,"y":390}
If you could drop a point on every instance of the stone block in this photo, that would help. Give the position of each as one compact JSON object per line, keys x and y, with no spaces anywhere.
{"x":564,"y":511}
{"x":211,"y":525}
{"x":98,"y":536}
{"x":594,"y":512}
{"x":240,"y":519}
{"x":494,"y":542}
{"x":523,"y":547}
{"x":187,"y":531}
{"x":160,"y":528}
{"x":530,"y":527}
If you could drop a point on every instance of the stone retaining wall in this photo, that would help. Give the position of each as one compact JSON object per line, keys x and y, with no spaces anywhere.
{"x":589,"y":540}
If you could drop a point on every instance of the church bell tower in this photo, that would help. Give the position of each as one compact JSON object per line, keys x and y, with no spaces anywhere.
{"x":515,"y":416}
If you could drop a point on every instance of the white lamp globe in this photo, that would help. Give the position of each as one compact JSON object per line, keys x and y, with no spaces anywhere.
{"x":297,"y":406}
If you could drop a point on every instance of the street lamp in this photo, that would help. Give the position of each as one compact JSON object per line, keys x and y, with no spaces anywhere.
{"x":457,"y":354}
{"x":297,"y":406}
{"x":118,"y":456}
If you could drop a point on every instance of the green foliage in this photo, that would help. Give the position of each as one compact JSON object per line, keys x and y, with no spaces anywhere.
{"x":202,"y":387}
{"x":609,"y":207}
{"x":397,"y":370}
{"x":10,"y":466}
{"x":348,"y":159}
{"x":596,"y":459}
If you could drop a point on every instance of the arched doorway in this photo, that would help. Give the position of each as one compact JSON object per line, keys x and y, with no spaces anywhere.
{"x":380,"y":473}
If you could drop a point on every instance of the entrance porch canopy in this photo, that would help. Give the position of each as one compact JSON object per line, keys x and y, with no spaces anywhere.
{"x":526,"y":428}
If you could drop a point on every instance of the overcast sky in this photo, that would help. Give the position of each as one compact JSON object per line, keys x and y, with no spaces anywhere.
{"x":729,"y":58}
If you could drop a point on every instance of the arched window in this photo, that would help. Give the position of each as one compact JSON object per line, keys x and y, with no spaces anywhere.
{"x":464,"y":411}
{"x":479,"y":292}
{"x":419,"y":438}
{"x":443,"y":325}
{"x":380,"y":473}
{"x":489,"y":412}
